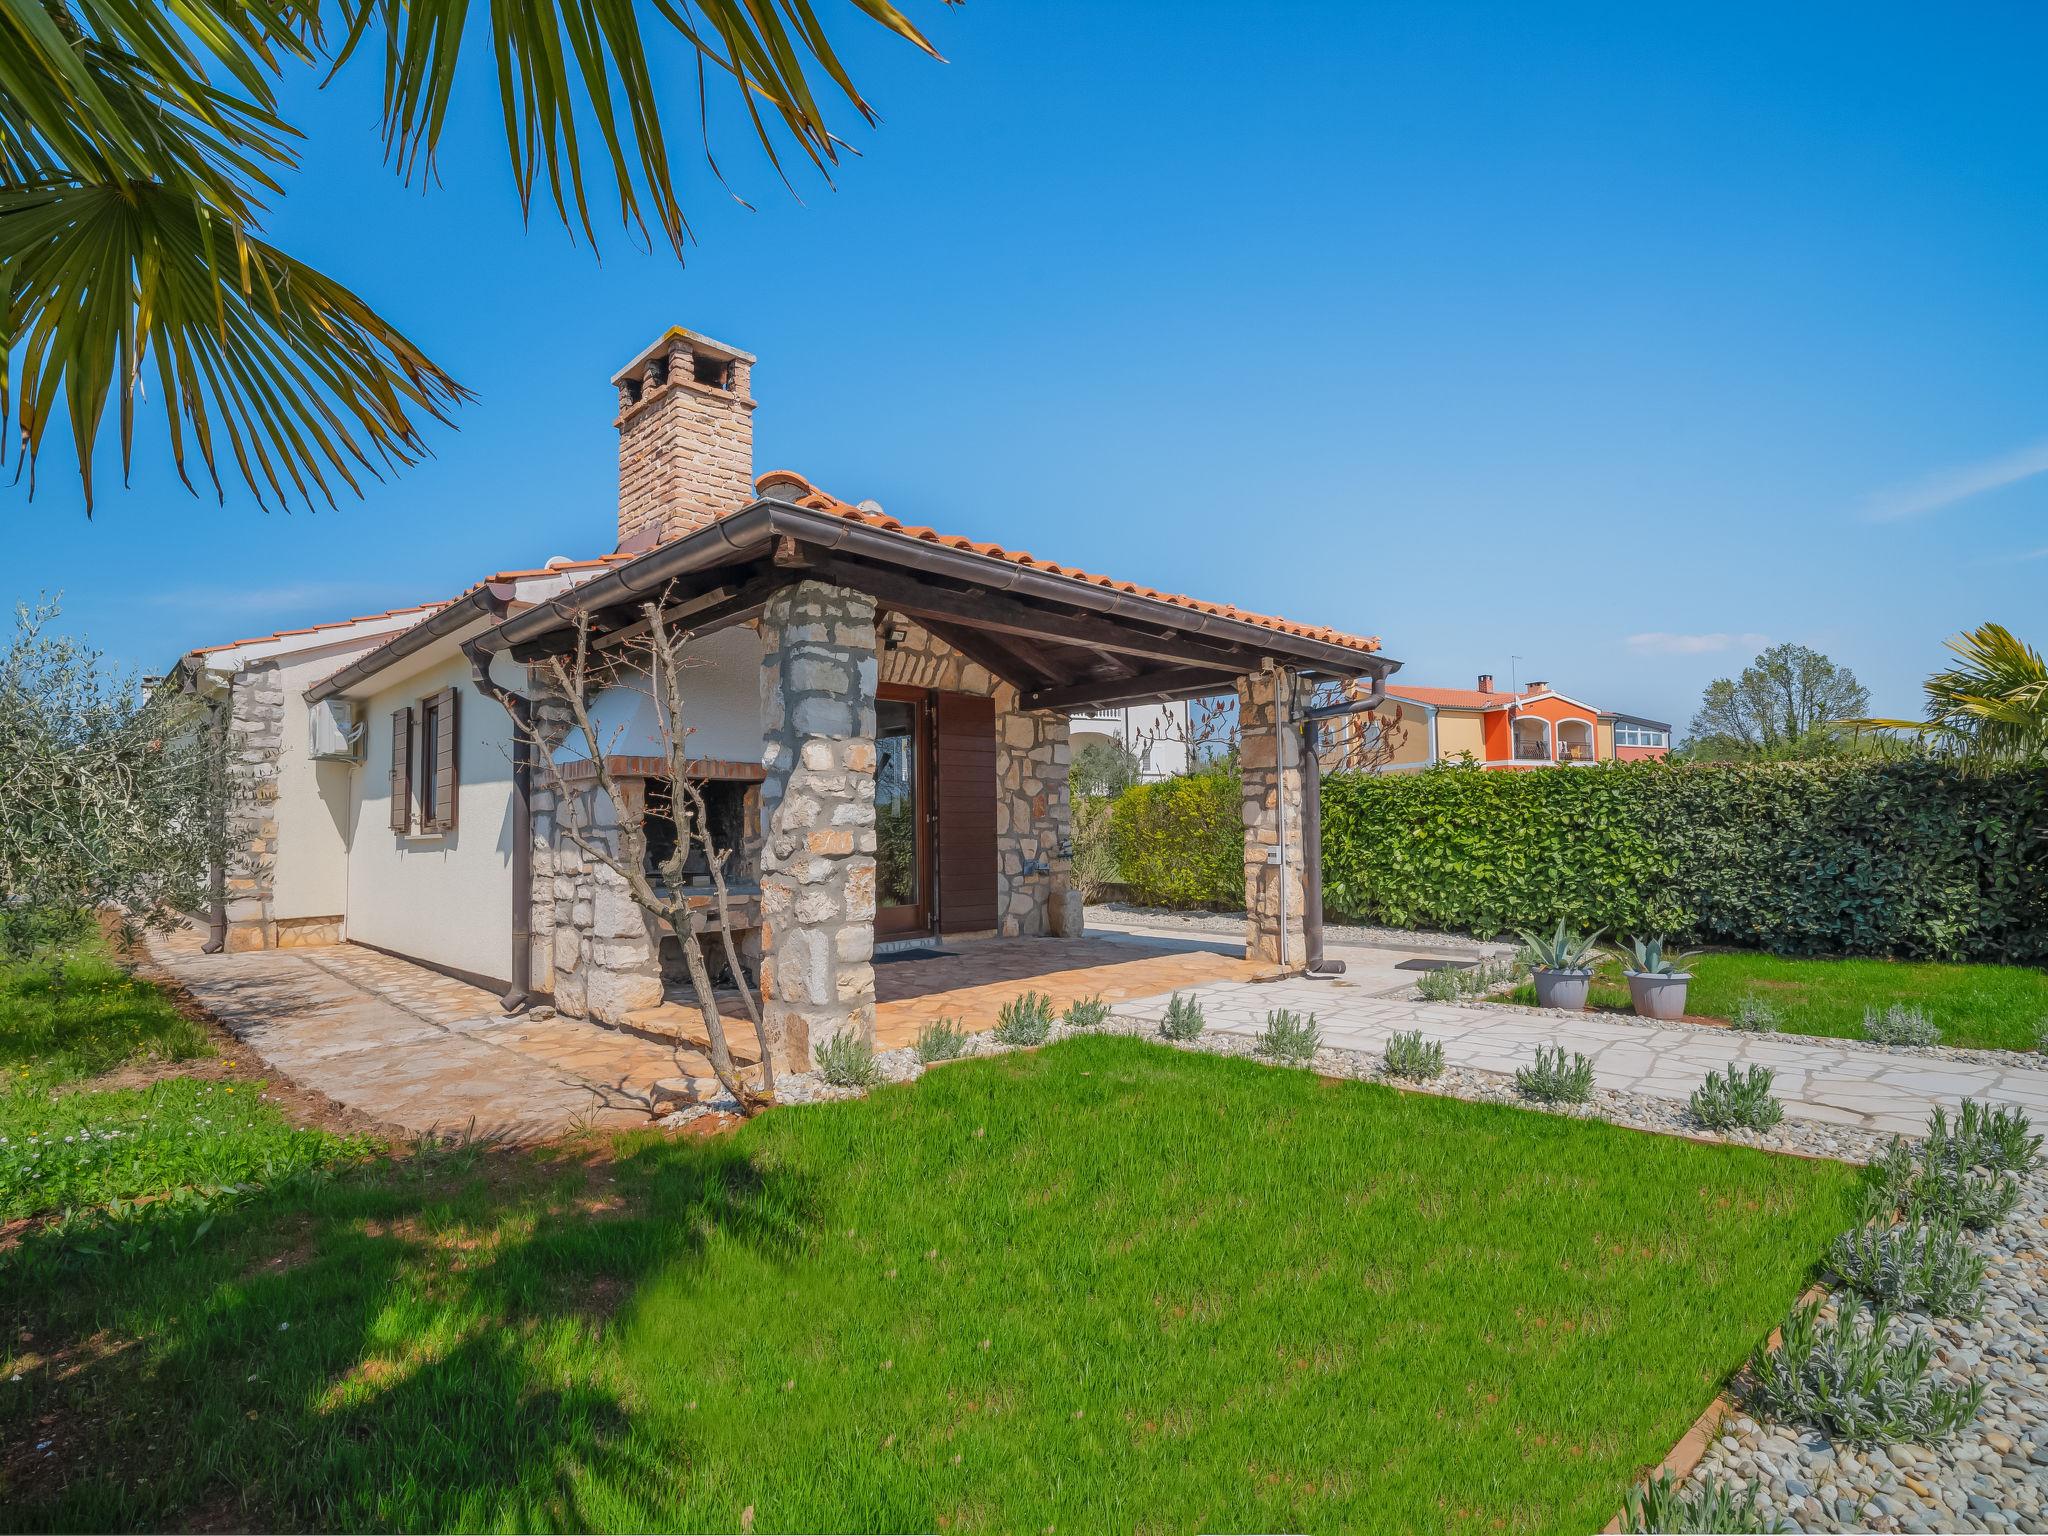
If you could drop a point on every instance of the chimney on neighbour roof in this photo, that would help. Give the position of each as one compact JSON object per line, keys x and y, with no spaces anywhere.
{"x":686,"y":437}
{"x":1486,"y":682}
{"x":1536,"y":688}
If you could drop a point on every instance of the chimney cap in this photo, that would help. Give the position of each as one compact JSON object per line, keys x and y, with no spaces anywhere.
{"x":699,"y":343}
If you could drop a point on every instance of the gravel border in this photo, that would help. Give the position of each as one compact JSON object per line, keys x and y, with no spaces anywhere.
{"x":1637,"y":1111}
{"x":1992,"y":1476}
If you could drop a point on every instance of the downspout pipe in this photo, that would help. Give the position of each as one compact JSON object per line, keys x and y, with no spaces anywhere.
{"x":520,"y":709}
{"x":1312,"y":822}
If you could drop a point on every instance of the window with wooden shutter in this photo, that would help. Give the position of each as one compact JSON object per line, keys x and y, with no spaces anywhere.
{"x":401,"y":770}
{"x":442,"y":772}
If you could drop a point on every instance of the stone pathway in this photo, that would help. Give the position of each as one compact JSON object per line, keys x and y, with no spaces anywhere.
{"x":419,"y":1050}
{"x":1885,"y":1091}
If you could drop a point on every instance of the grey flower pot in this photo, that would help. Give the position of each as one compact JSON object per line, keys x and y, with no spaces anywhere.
{"x":1562,"y":989}
{"x":1658,"y":997}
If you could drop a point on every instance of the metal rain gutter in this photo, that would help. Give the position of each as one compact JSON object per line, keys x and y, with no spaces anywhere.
{"x":1312,"y":825}
{"x":488,"y":601}
{"x":755,"y":525}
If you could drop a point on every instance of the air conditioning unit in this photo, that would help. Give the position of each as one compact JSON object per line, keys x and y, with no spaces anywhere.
{"x":337,"y":734}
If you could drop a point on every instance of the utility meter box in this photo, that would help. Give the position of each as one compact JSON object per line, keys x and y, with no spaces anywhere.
{"x":337,"y":734}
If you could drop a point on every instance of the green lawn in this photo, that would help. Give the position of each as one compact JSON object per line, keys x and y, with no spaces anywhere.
{"x":1102,"y":1285}
{"x":1990,"y":1007}
{"x":72,"y":1150}
{"x":84,"y":1016}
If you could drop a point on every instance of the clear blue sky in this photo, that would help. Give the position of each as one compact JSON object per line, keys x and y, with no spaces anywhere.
{"x":1612,"y":338}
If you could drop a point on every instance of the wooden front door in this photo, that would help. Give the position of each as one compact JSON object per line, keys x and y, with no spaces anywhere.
{"x":966,"y":804}
{"x":935,"y":812}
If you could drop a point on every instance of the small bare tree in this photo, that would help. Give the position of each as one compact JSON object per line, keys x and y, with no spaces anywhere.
{"x":1208,"y":730}
{"x":654,"y":651}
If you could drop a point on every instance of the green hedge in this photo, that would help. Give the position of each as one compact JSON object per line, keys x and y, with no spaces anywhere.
{"x":1900,"y":857}
{"x":1180,"y":842}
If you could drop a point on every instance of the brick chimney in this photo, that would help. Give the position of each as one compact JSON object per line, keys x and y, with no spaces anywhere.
{"x":1486,"y":682}
{"x":686,"y":437}
{"x":1537,"y":687}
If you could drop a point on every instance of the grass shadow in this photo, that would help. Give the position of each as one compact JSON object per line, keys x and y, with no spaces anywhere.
{"x":416,"y":1345}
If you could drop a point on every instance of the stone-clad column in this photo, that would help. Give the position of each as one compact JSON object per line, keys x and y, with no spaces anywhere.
{"x":1270,"y":752}
{"x":818,"y":819}
{"x":255,"y":743}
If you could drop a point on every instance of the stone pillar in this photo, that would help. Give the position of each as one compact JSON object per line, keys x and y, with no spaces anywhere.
{"x":1034,"y":822}
{"x":1269,"y":711}
{"x":255,"y":741}
{"x":594,"y":948}
{"x":817,"y":819}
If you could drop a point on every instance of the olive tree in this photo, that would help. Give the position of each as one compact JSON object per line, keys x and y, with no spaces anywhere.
{"x":106,"y":789}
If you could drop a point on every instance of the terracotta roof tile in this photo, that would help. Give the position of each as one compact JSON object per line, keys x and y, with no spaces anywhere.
{"x":421,"y":609}
{"x":822,"y":501}
{"x":312,"y":629}
{"x":1451,"y":698}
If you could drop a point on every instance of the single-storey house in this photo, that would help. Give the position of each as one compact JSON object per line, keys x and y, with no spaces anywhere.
{"x":878,"y":716}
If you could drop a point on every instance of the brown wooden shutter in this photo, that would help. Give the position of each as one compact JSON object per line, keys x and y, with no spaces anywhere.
{"x":401,"y":770}
{"x":445,"y":761}
{"x":966,"y":792}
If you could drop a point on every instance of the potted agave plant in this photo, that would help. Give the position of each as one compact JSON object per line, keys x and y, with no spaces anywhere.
{"x":1561,"y":966}
{"x":1657,"y":979}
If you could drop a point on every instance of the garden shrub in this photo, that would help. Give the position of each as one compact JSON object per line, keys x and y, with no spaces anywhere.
{"x":1025,"y":1020}
{"x":1180,"y":842}
{"x":1086,"y":1013}
{"x":1853,"y":1382}
{"x":1740,"y":1099}
{"x":1932,"y":1179}
{"x":1410,"y":1055}
{"x":1555,"y":1080}
{"x":1921,"y":1264}
{"x":1288,"y":1038}
{"x":1912,"y":856}
{"x":1900,"y":1025}
{"x":847,"y":1061}
{"x":1183,"y":1020}
{"x":1984,"y":1136}
{"x":1454,"y":982}
{"x":940,"y":1040}
{"x":1666,"y":1505}
{"x":1755,"y":1016}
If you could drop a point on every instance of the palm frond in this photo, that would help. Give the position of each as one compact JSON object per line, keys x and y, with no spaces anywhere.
{"x":571,"y":62}
{"x":1992,"y":706}
{"x":300,"y":378}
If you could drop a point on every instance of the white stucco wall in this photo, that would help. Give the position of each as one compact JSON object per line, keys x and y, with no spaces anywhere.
{"x":445,"y":898}
{"x":722,"y":696}
{"x":310,"y":873}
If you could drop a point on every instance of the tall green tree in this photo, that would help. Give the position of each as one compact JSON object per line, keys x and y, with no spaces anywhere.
{"x":1993,"y":704}
{"x":1784,"y":704}
{"x":141,"y":146}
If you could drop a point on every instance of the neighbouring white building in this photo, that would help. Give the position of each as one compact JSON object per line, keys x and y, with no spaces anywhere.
{"x":1155,"y":734}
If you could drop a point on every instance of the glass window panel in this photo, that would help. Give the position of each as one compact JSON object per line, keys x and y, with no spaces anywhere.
{"x":895,"y":803}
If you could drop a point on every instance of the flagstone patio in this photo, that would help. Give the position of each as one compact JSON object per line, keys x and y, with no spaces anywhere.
{"x":1816,"y":1079}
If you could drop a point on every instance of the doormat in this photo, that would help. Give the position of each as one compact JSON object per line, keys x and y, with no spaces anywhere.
{"x":1419,"y":964}
{"x":916,"y":954}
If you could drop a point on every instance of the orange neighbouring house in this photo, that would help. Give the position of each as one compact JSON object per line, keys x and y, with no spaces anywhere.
{"x":1535,"y":728}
